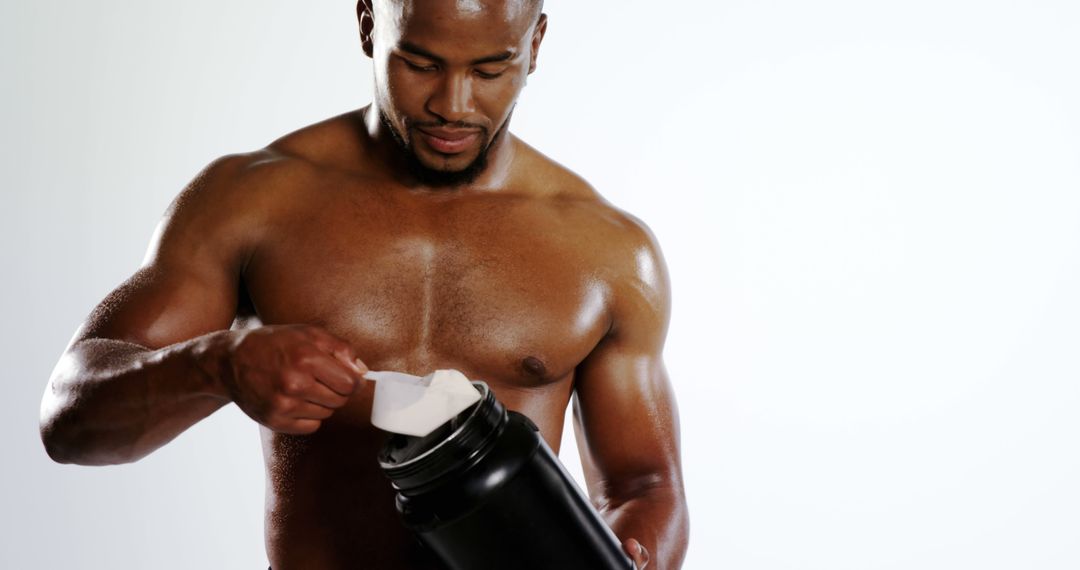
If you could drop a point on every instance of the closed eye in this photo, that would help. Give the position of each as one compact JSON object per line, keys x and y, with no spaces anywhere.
{"x":418,"y":67}
{"x":488,"y":74}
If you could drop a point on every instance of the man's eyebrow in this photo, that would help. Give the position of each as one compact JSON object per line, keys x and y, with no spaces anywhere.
{"x":495,"y":58}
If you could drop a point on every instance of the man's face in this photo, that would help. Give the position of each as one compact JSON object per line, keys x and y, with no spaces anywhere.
{"x":447,"y":75}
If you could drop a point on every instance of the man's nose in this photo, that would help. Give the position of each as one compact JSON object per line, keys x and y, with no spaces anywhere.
{"x":453,"y":101}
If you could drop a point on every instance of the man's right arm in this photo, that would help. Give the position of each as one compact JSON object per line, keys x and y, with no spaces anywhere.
{"x":156,"y":355}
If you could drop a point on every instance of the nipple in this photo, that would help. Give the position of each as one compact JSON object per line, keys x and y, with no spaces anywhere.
{"x":534,"y":366}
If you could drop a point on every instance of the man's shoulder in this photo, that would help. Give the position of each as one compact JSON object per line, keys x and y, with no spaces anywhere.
{"x":243,"y":180}
{"x":336,"y":143}
{"x":234,"y":199}
{"x":289,"y":163}
{"x":570,"y":190}
{"x":631,"y":249}
{"x":549,"y":179}
{"x":626,"y":246}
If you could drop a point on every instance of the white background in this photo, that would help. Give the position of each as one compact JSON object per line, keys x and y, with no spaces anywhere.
{"x":871,"y":213}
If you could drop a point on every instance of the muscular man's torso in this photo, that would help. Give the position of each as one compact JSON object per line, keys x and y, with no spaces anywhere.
{"x":510,"y":286}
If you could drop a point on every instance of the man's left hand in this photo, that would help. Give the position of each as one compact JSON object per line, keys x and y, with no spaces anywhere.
{"x":637,"y":553}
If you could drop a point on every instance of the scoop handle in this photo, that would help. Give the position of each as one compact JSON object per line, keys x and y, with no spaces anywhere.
{"x":388,"y":376}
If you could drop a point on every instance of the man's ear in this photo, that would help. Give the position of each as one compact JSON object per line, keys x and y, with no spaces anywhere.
{"x":365,"y":16}
{"x":538,"y":36}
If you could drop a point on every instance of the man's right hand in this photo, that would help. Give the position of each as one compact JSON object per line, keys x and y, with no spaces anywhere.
{"x":288,"y":378}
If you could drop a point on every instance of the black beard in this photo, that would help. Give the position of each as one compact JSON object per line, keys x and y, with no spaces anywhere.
{"x":432,"y":177}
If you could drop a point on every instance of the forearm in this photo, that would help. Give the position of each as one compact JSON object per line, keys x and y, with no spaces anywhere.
{"x":112,"y":402}
{"x":657,"y":518}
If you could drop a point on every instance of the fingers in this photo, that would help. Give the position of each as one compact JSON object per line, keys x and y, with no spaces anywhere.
{"x":330,"y":372}
{"x":339,"y":349}
{"x":309,"y":411}
{"x":298,"y":417}
{"x":290,"y":378}
{"x":637,"y":552}
{"x":297,"y":427}
{"x":319,"y":394}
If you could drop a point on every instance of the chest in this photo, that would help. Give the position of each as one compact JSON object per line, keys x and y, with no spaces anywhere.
{"x":503,"y":289}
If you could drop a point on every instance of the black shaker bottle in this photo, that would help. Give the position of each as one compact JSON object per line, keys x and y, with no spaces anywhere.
{"x":484,"y":491}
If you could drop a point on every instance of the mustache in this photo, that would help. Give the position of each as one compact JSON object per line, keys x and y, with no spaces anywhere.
{"x":449,"y":124}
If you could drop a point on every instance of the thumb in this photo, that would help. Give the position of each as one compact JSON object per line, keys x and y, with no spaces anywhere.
{"x":638,"y":552}
{"x":345,"y":354}
{"x":338,"y":348}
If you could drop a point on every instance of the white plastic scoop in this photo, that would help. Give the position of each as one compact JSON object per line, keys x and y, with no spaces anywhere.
{"x":416,"y":405}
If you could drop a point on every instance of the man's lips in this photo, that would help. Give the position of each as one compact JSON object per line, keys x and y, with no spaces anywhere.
{"x":449,"y":141}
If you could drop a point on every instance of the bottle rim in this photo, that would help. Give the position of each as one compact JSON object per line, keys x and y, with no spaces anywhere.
{"x":467,"y":440}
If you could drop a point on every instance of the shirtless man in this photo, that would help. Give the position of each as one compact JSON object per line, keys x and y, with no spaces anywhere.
{"x":413,"y":234}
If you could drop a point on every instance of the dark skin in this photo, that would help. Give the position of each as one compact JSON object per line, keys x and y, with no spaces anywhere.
{"x":279,"y":276}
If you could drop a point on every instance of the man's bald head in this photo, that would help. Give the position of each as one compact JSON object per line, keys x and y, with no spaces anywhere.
{"x":527,"y":6}
{"x":532,"y":7}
